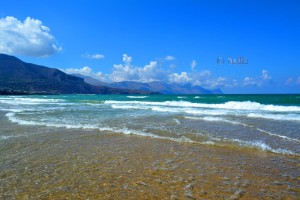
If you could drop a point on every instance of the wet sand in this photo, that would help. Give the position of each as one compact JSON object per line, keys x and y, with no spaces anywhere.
{"x":68,"y":164}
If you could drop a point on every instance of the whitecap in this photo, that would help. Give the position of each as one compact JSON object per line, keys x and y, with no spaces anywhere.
{"x":231,"y":105}
{"x":137,"y":97}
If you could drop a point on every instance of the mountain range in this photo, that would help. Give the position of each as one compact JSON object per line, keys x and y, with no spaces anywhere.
{"x":18,"y":77}
{"x":155,"y":86}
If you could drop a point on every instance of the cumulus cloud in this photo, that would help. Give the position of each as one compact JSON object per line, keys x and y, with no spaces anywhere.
{"x":127,"y":72}
{"x":100,"y":76}
{"x":249,"y":81}
{"x":182,"y":78}
{"x":265,"y":75}
{"x":205,"y":80}
{"x":169,"y":58}
{"x":127,"y":59}
{"x":93,"y":56}
{"x":30,"y":38}
{"x":258,"y":81}
{"x":216,"y":83}
{"x":193,"y":64}
{"x":86,"y":71}
{"x":202,"y":78}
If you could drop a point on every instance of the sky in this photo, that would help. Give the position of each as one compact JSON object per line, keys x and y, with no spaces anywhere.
{"x":238,"y":46}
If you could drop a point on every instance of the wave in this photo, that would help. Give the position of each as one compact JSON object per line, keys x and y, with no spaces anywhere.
{"x":137,"y":97}
{"x":264,"y":147}
{"x":231,"y":105}
{"x":253,"y":144}
{"x":280,"y":136}
{"x":29,"y":101}
{"x":245,"y":109}
{"x":169,"y":109}
{"x":12,"y":118}
{"x":216,"y":119}
{"x":286,"y":117}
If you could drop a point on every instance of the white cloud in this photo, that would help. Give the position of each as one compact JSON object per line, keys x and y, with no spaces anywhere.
{"x":127,"y":72}
{"x":218,"y":82}
{"x":204,"y":73}
{"x":100,"y":76}
{"x":193,"y":64}
{"x":123,"y":73}
{"x":93,"y":56}
{"x":182,"y":78}
{"x":86,"y":71}
{"x":249,"y":81}
{"x":30,"y":38}
{"x":202,"y":78}
{"x":149,"y":72}
{"x":169,"y":58}
{"x":258,"y":81}
{"x":265,"y":75}
{"x":152,"y":72}
{"x":127,"y":59}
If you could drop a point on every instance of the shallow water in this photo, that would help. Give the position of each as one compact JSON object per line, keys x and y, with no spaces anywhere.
{"x":68,"y":164}
{"x":79,"y":147}
{"x":263,"y":122}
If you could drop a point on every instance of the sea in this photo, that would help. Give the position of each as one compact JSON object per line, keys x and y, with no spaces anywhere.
{"x":263,"y":122}
{"x":150,"y":146}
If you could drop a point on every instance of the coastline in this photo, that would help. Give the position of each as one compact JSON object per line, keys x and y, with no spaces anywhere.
{"x":67,"y":163}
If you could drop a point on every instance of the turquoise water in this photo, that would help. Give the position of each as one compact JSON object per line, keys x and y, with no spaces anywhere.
{"x":263,"y":122}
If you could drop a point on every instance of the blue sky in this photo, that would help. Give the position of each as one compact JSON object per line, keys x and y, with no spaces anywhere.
{"x":175,"y":41}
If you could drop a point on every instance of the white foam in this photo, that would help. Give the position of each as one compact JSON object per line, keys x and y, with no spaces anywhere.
{"x":286,"y":117}
{"x":263,"y":147}
{"x":145,"y":134}
{"x":29,"y":101}
{"x":14,"y":119}
{"x":137,"y":97}
{"x":280,"y":136}
{"x":15,"y":110}
{"x":208,"y":142}
{"x":169,"y":109}
{"x":216,"y":119}
{"x":177,"y":121}
{"x":128,"y":107}
{"x":231,"y":105}
{"x":6,"y":137}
